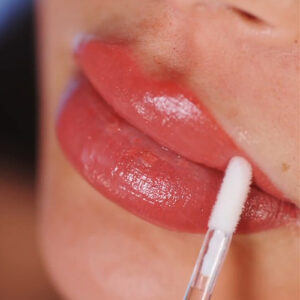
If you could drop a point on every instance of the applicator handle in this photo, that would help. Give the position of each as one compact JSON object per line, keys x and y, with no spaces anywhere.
{"x":210,"y":260}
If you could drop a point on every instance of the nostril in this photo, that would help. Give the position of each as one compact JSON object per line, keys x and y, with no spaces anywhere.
{"x":249,"y":17}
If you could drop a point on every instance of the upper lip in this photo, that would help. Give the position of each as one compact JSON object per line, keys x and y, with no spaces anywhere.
{"x":132,"y":169}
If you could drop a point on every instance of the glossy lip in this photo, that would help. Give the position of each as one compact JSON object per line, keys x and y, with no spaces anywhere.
{"x":170,"y":114}
{"x":131,"y":167}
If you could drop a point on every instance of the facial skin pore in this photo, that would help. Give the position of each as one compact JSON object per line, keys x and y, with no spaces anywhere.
{"x":241,"y":58}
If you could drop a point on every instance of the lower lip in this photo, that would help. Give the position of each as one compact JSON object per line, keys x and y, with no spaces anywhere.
{"x":149,"y":180}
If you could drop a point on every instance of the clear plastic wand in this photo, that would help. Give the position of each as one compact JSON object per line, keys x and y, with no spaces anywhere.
{"x":222,"y":224}
{"x":210,"y":260}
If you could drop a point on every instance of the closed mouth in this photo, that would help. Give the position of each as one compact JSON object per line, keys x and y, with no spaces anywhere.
{"x":152,"y":147}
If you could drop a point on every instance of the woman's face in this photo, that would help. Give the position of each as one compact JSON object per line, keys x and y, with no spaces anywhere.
{"x":236,"y":62}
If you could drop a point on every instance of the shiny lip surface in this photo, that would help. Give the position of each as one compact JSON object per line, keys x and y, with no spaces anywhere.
{"x":152,"y":147}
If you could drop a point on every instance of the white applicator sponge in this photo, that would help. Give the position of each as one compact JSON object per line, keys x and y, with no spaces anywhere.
{"x":232,"y":196}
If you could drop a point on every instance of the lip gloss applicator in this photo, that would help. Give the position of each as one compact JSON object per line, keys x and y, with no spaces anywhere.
{"x":221,"y":226}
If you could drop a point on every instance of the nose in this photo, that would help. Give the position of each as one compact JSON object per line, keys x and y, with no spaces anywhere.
{"x":279,"y":18}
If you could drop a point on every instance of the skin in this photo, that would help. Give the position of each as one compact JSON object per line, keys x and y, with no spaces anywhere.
{"x":22,"y":275}
{"x":249,"y":79}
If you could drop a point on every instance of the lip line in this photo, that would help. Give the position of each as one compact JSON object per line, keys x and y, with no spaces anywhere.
{"x":75,"y":82}
{"x":193,"y":183}
{"x":73,"y":85}
{"x":94,"y":59}
{"x":206,"y":166}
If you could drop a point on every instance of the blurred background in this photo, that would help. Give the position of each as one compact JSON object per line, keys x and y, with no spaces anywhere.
{"x":22,"y":276}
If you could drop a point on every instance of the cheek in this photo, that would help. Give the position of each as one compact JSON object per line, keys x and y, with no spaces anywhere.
{"x":253,"y":87}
